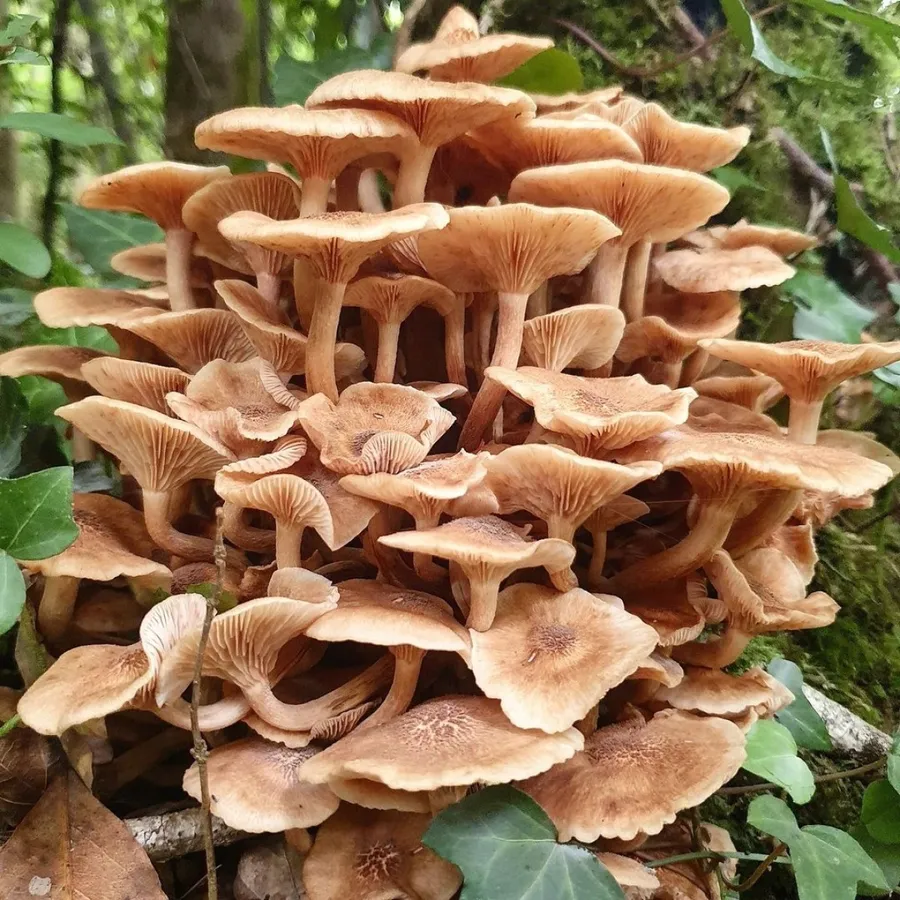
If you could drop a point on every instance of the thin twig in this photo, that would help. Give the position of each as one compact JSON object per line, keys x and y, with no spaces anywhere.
{"x":190,"y":61}
{"x":9,"y":725}
{"x":405,"y":31}
{"x":758,"y":872}
{"x":710,"y":854}
{"x":819,"y":779}
{"x":874,"y":520}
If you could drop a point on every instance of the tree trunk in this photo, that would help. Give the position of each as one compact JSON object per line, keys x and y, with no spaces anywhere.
{"x":205,"y":39}
{"x":9,"y":206}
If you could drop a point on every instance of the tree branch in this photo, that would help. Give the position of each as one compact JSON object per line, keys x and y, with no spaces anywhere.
{"x":405,"y":31}
{"x":176,"y":834}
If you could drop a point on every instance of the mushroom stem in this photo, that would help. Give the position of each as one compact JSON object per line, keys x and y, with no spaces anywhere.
{"x":407,"y":665}
{"x":287,"y":546}
{"x":57,"y":605}
{"x":714,"y":519}
{"x":179,"y":245}
{"x":563,"y":529}
{"x":482,"y":602}
{"x":314,"y":195}
{"x":304,"y":716}
{"x":413,"y":177}
{"x":320,"y":377}
{"x":257,"y":540}
{"x":346,"y":189}
{"x":538,"y":302}
{"x":771,"y":513}
{"x":634,"y":287}
{"x":692,"y":368}
{"x":714,"y":654}
{"x":510,"y":327}
{"x":269,"y":285}
{"x":803,"y":420}
{"x":386,"y":360}
{"x":423,"y":563}
{"x":455,"y":346}
{"x":598,"y":560}
{"x":482,"y":324}
{"x":212,"y":716}
{"x":670,"y":373}
{"x":606,"y":273}
{"x":83,"y":449}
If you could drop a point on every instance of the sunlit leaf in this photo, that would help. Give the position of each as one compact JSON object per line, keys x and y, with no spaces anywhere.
{"x":772,"y":754}
{"x":552,"y":71}
{"x":881,"y":812}
{"x":24,"y":57}
{"x":17,"y":26}
{"x":745,"y":29}
{"x":824,"y":311}
{"x":842,"y":10}
{"x":58,"y":127}
{"x":12,"y":593}
{"x":36,"y":514}
{"x":21,"y":250}
{"x":98,"y":235}
{"x":734,"y":179}
{"x":803,"y":722}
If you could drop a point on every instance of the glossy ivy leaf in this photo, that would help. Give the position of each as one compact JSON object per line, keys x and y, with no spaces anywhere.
{"x":893,"y":762}
{"x":44,"y":398}
{"x":58,"y":127}
{"x":25,"y":57}
{"x":887,"y":857}
{"x":552,"y":71}
{"x":828,"y":863}
{"x":877,"y":24}
{"x":881,"y":812}
{"x":16,"y":27}
{"x":13,"y":425}
{"x":97,"y":235}
{"x":824,"y":311}
{"x":21,"y":250}
{"x":12,"y":592}
{"x":506,"y":847}
{"x":734,"y":179}
{"x":36,"y":514}
{"x":772,"y":754}
{"x":803,"y":722}
{"x":745,"y":29}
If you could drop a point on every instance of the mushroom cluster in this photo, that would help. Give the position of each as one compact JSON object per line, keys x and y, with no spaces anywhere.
{"x":500,"y":495}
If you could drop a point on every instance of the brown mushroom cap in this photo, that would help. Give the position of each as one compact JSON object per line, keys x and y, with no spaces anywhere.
{"x":861,"y":443}
{"x":716,"y":693}
{"x":634,"y":777}
{"x":671,"y":615}
{"x":442,"y":743}
{"x":143,"y":384}
{"x":157,"y":190}
{"x":549,"y":657}
{"x":549,"y":103}
{"x":67,"y":306}
{"x":367,"y":855}
{"x":579,"y":337}
{"x":783,"y":241}
{"x":243,"y":772}
{"x":638,"y":882}
{"x":390,"y":299}
{"x":704,"y":271}
{"x":755,"y":392}
{"x":56,"y":362}
{"x":147,"y":262}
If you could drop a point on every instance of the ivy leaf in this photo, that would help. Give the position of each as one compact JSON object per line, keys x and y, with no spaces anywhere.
{"x":226,"y":600}
{"x":36,"y":514}
{"x":772,"y":754}
{"x":97,"y":235}
{"x":552,"y":71}
{"x":16,"y":27}
{"x":734,"y":179}
{"x":887,"y":856}
{"x":506,"y":847}
{"x":12,"y":592}
{"x":828,"y":863}
{"x":21,"y":250}
{"x":24,"y":57}
{"x":824,"y":311}
{"x":893,"y":763}
{"x":13,"y":424}
{"x":803,"y":722}
{"x":97,"y":476}
{"x":881,"y":812}
{"x":745,"y":29}
{"x":16,"y":306}
{"x":881,"y":26}
{"x":58,"y":127}
{"x":44,"y":398}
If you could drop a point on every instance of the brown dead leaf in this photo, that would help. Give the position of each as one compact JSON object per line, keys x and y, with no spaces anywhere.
{"x":270,"y":870}
{"x":70,"y":847}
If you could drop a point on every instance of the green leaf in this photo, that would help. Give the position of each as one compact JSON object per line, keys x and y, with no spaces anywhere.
{"x":207,"y":589}
{"x":16,"y":27}
{"x":803,"y":722}
{"x":506,"y":847}
{"x":824,"y":311}
{"x":44,"y":398}
{"x":852,"y":219}
{"x":20,"y":249}
{"x":745,"y":29}
{"x":734,"y":179}
{"x":772,"y":754}
{"x":25,"y":57}
{"x":97,"y":476}
{"x":295,"y":80}
{"x":97,"y":235}
{"x":886,"y":856}
{"x":36,"y":514}
{"x":828,"y":863}
{"x":842,"y":10}
{"x":12,"y":592}
{"x":16,"y":305}
{"x":58,"y":127}
{"x":13,"y":424}
{"x":551,"y":72}
{"x":881,"y":812}
{"x":893,"y":762}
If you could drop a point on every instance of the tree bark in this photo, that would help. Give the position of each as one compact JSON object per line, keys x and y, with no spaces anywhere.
{"x":204,"y":42}
{"x":848,"y":732}
{"x":264,"y":40}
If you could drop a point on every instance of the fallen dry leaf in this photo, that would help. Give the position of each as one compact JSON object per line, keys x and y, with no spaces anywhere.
{"x":270,"y":871}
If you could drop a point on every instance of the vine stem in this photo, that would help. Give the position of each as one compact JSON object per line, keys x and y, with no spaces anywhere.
{"x":9,"y":725}
{"x":714,"y":855}
{"x":819,"y":779}
{"x":758,"y":873}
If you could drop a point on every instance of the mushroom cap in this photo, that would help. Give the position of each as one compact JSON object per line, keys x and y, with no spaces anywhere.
{"x":373,"y":427}
{"x":635,"y":776}
{"x":549,"y":657}
{"x":436,"y":111}
{"x":783,"y":241}
{"x":112,"y":541}
{"x":578,"y":337}
{"x":797,"y":543}
{"x":317,"y":143}
{"x":160,"y":452}
{"x":444,"y":742}
{"x":635,"y":879}
{"x":549,"y":103}
{"x":147,"y":262}
{"x":143,"y":384}
{"x":671,"y":615}
{"x":273,"y":195}
{"x":391,"y":299}
{"x":648,"y":203}
{"x":157,"y":190}
{"x":244,"y":771}
{"x":661,"y":669}
{"x":861,"y":443}
{"x":194,"y":337}
{"x":664,"y":141}
{"x":704,"y":271}
{"x":755,"y":392}
{"x":373,"y":612}
{"x":366,"y":855}
{"x":57,"y":362}
{"x":513,"y":248}
{"x":717,"y":693}
{"x":617,"y":512}
{"x":336,"y":244}
{"x":612,"y":412}
{"x":64,"y":307}
{"x":807,"y":370}
{"x":554,"y":484}
{"x":375,"y":795}
{"x":484,"y":543}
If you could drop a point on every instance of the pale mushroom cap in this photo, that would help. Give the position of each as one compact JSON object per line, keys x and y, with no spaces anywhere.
{"x":444,"y":742}
{"x":147,"y":262}
{"x":513,"y":248}
{"x":301,"y":584}
{"x":317,"y":143}
{"x":68,"y":306}
{"x":703,"y":271}
{"x":783,"y":241}
{"x":716,"y":693}
{"x":157,"y":190}
{"x":391,"y":299}
{"x":160,"y":452}
{"x":614,"y":412}
{"x":244,"y":772}
{"x":49,"y":360}
{"x":286,"y":452}
{"x":756,"y":392}
{"x":807,"y":370}
{"x":367,"y":855}
{"x":547,"y":103}
{"x":650,"y":203}
{"x":661,"y":669}
{"x":375,"y":795}
{"x":436,"y":111}
{"x":143,"y":384}
{"x":579,"y":337}
{"x":549,"y":658}
{"x":635,"y":776}
{"x":630,"y":875}
{"x":336,"y":243}
{"x":673,"y":618}
{"x":863,"y":444}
